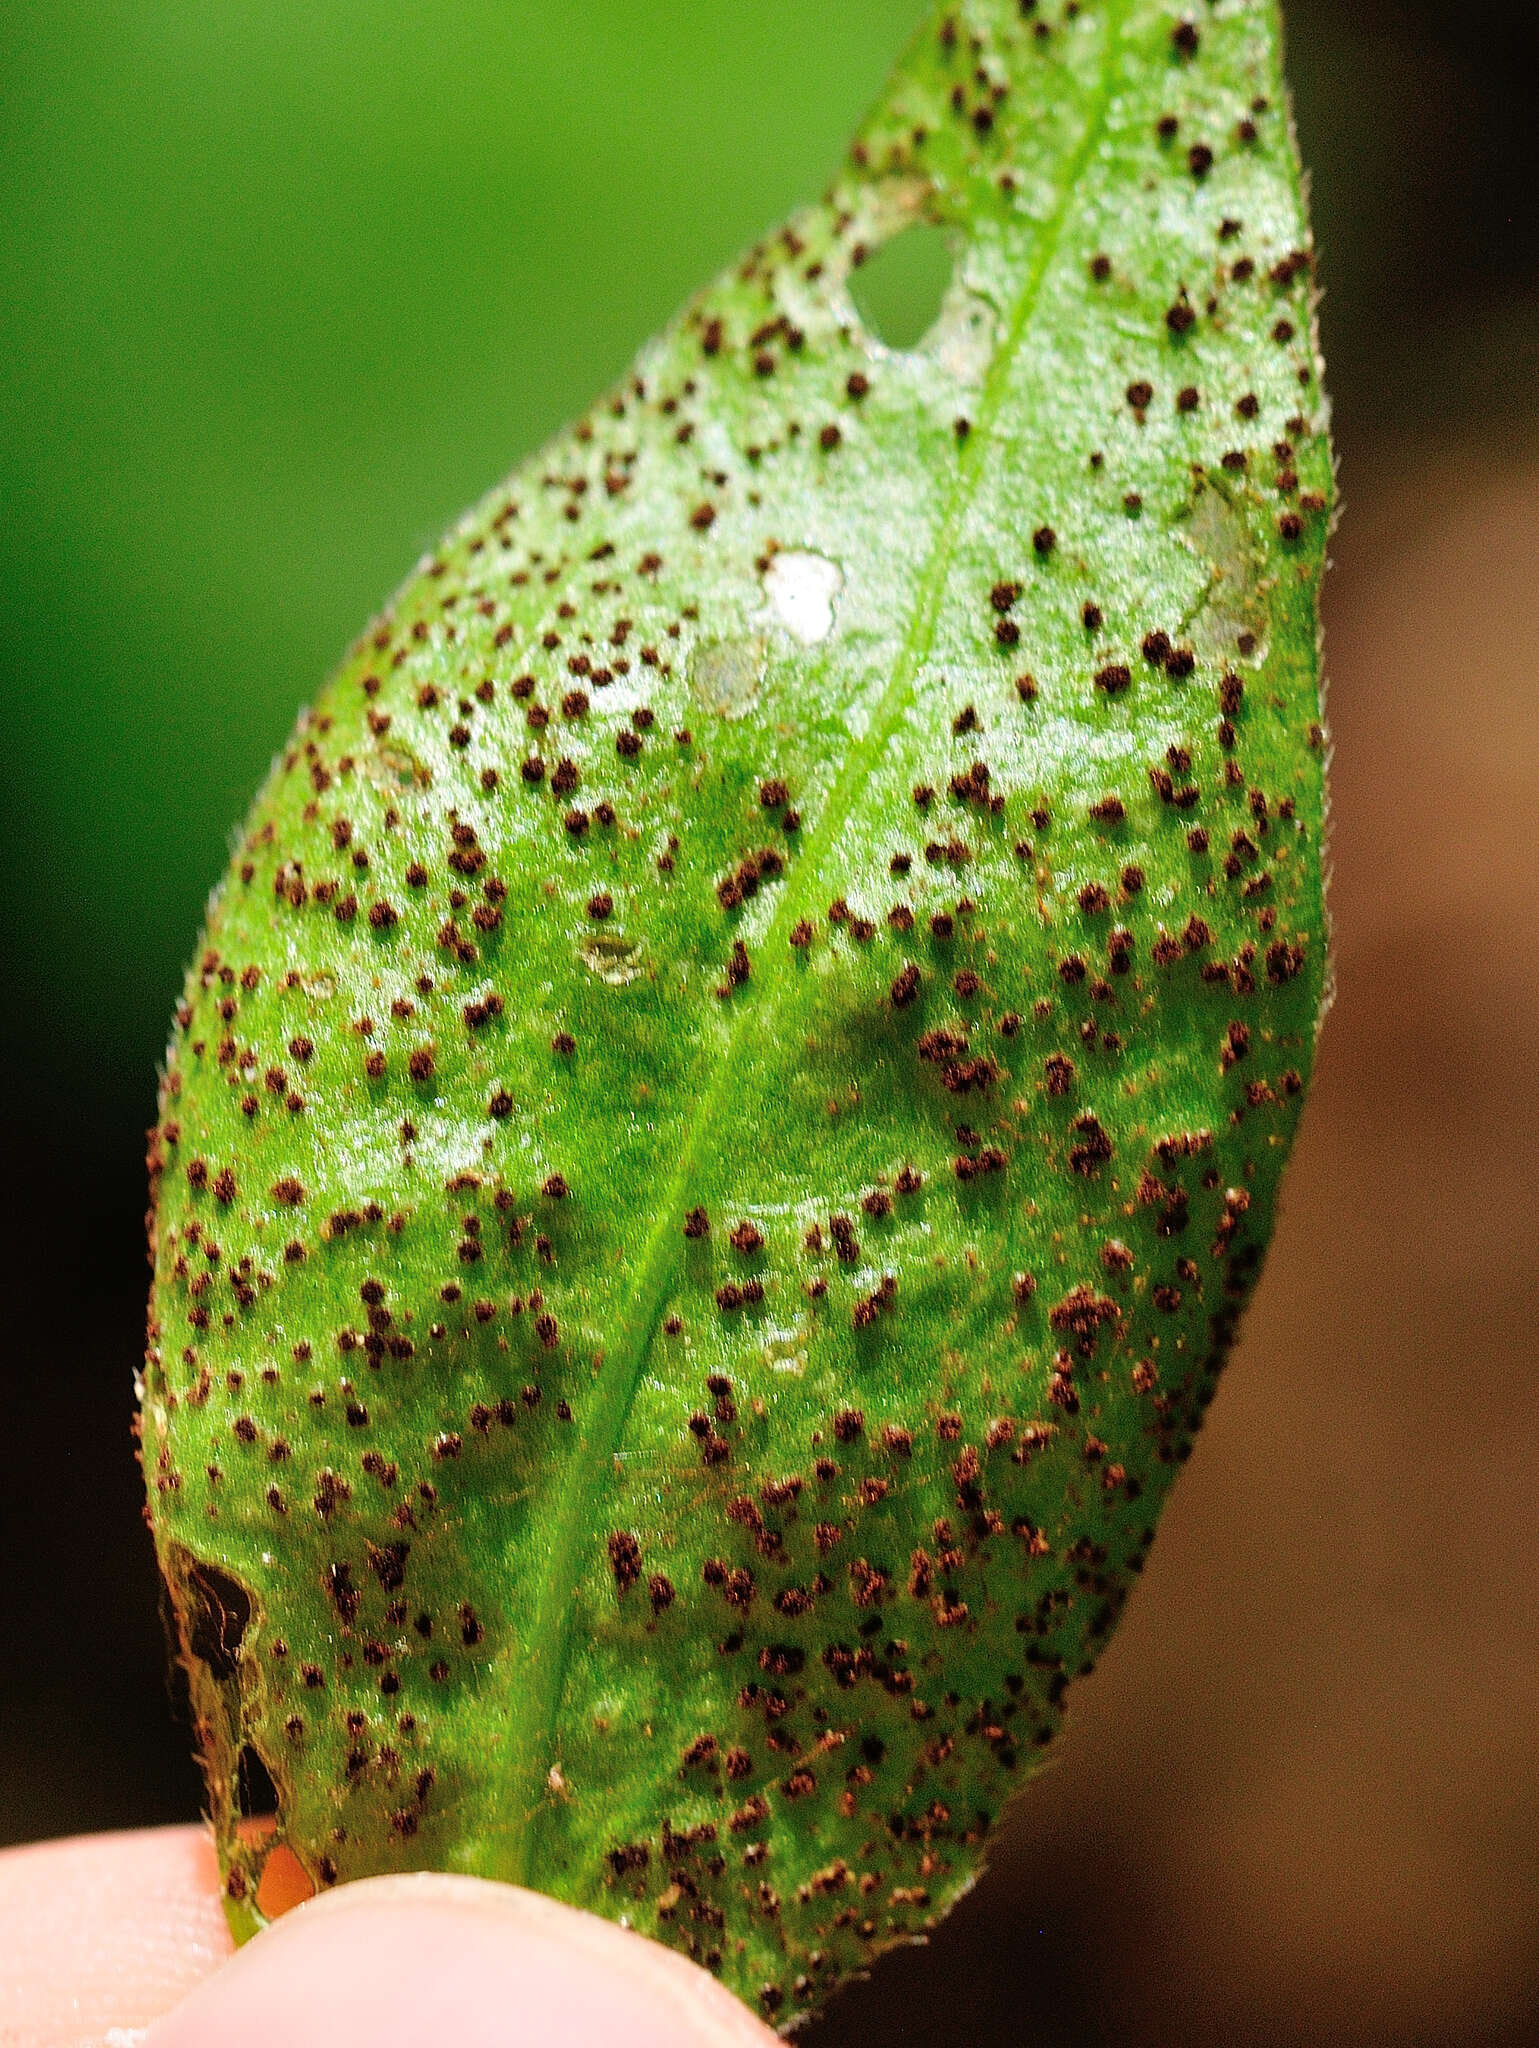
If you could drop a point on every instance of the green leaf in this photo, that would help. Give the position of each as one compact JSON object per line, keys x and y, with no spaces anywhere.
{"x":738,"y":1079}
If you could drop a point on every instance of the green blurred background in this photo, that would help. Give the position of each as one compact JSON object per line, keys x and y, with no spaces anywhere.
{"x":283,"y":287}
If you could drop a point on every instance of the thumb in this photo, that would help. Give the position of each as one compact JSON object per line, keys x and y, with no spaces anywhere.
{"x":435,"y":1958}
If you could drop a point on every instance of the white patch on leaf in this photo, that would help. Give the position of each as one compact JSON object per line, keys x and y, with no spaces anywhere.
{"x":802,"y":589}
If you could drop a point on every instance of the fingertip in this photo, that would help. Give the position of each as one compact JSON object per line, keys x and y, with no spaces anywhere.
{"x":100,"y":1933}
{"x":435,"y":1957}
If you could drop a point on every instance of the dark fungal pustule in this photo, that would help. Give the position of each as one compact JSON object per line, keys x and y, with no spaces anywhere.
{"x":748,"y":1014}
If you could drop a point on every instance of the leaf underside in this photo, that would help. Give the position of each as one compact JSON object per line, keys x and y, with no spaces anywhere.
{"x":736,"y":1086}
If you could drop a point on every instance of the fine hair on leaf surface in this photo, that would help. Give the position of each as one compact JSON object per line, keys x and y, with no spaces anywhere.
{"x":734,"y":1091}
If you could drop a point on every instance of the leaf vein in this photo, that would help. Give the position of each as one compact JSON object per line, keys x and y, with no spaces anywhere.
{"x":546,"y":1655}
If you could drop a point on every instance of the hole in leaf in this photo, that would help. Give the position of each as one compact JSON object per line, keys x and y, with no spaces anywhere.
{"x":221,"y":1614}
{"x":255,"y":1791}
{"x":898,"y":291}
{"x":285,"y":1882}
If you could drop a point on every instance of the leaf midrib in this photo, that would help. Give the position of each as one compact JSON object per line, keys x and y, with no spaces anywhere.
{"x":546,"y":1652}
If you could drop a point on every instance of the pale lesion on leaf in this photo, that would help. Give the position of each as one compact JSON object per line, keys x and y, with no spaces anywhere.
{"x":1231,"y":618}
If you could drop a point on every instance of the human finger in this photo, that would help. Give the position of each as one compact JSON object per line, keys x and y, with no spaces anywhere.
{"x":103,"y":1933}
{"x":432,"y":1957}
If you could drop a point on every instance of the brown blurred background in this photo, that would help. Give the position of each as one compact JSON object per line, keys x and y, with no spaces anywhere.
{"x":1299,"y":1804}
